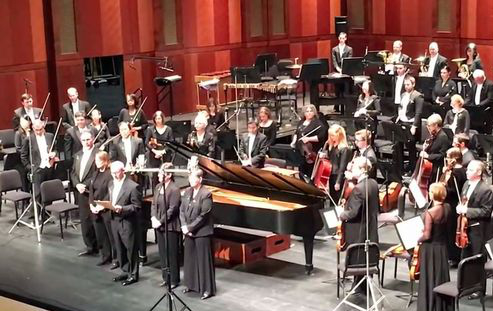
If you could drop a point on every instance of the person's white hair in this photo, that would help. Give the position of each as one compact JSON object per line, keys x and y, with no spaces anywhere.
{"x":478,"y":73}
{"x":397,"y":42}
{"x":117,"y":166}
{"x":72,"y":90}
{"x":200,"y":118}
{"x":433,"y":45}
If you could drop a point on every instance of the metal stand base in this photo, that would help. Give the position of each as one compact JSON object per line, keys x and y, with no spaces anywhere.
{"x":371,"y":290}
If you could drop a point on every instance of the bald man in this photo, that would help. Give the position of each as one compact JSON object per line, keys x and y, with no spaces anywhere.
{"x":435,"y":61}
{"x":74,"y":105}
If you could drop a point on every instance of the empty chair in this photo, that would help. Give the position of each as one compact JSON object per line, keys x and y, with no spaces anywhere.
{"x":11,"y":185}
{"x":52,"y":191}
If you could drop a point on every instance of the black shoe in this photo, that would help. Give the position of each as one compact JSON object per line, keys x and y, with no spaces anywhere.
{"x":103,"y":262}
{"x":88,"y":253}
{"x":453,"y":264}
{"x":142,"y":260}
{"x":129,"y":281}
{"x":114,"y":266}
{"x":308,"y":269}
{"x":206,"y":295}
{"x":121,"y":277}
{"x":186,"y":290}
{"x":473,"y":296}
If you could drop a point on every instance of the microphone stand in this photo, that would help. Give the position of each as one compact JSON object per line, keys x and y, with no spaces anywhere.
{"x":33,"y":202}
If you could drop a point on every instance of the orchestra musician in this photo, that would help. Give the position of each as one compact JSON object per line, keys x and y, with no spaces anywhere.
{"x":457,"y":119}
{"x":126,"y":200}
{"x":396,"y":57}
{"x":442,"y":92}
{"x":440,"y":143}
{"x":435,"y":61}
{"x":72,"y":142}
{"x":409,"y":116}
{"x":309,"y":137}
{"x":198,"y":228}
{"x":156,"y":137}
{"x":82,"y":172}
{"x":368,"y":105}
{"x":267,"y":126}
{"x":42,"y":157}
{"x":339,"y":52}
{"x":461,"y":141}
{"x":166,"y":211}
{"x":99,"y":125}
{"x":200,"y":140}
{"x":137,"y":121}
{"x":434,"y":269}
{"x":339,"y":155}
{"x":355,"y":210}
{"x":398,"y":82}
{"x":253,"y":147}
{"x":127,"y":149}
{"x":216,"y":116}
{"x":477,"y":210}
{"x":481,"y":96}
{"x":19,"y":137}
{"x":454,"y":177}
{"x":362,"y":139}
{"x":98,"y":191}
{"x":27,"y":110}
{"x":473,"y":61}
{"x":73,"y":106}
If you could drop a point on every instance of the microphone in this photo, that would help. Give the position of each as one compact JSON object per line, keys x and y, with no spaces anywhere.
{"x":166,"y":68}
{"x":27,"y":81}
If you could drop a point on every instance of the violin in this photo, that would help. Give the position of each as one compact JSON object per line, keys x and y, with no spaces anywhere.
{"x":447,"y":172}
{"x":154,"y":143}
{"x":461,"y":238}
{"x":414,"y":270}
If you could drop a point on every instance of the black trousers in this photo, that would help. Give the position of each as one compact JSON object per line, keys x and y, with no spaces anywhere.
{"x":476,"y":242}
{"x":124,"y":232}
{"x":104,"y":235}
{"x":174,"y":254}
{"x":398,"y":155}
{"x":199,"y":275}
{"x":39,"y":176}
{"x":86,"y":221}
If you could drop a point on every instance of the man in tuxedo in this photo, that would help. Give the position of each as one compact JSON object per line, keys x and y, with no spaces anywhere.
{"x":438,"y":144}
{"x":409,"y":116}
{"x":362,"y":139}
{"x":254,"y":146}
{"x":354,"y":215}
{"x":74,"y":105}
{"x":127,"y":149}
{"x":83,"y":169}
{"x":27,"y":110}
{"x":339,"y":52}
{"x":126,"y":199}
{"x":39,"y":144}
{"x":435,"y":61}
{"x":72,"y":140}
{"x":481,"y":98}
{"x":461,"y":141}
{"x":398,"y":82}
{"x":396,"y":57}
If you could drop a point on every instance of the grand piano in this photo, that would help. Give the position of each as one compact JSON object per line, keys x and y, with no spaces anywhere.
{"x":258,"y":199}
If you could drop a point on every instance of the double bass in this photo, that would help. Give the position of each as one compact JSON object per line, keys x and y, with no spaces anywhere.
{"x":423,"y":170}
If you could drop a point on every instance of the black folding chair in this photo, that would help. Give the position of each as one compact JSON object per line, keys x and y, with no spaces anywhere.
{"x":11,"y":185}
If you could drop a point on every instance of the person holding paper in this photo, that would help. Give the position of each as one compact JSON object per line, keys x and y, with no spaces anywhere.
{"x":433,"y":255}
{"x":165,"y":209}
{"x":354,"y":216}
{"x":254,"y":146}
{"x":126,"y":200}
{"x":198,"y":228}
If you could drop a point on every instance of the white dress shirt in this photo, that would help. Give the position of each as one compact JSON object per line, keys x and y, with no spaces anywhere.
{"x":398,"y":88}
{"x":341,"y":49}
{"x":472,"y":186}
{"x":75,"y":106}
{"x":43,"y":151}
{"x":117,"y":186}
{"x":86,"y":154}
{"x":431,"y":65}
{"x":477,"y":96}
{"x":403,"y":108}
{"x":127,"y":144}
{"x":30,"y":113}
{"x":251,"y":140}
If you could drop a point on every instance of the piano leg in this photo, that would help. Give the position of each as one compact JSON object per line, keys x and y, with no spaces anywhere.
{"x":308,"y":243}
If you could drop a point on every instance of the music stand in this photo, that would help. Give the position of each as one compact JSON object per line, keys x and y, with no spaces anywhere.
{"x":323,"y":61}
{"x":264,"y":62}
{"x":245,"y":74}
{"x":373,"y":58}
{"x":425,"y":86}
{"x":396,"y":134}
{"x":382,"y":84}
{"x":352,"y":66}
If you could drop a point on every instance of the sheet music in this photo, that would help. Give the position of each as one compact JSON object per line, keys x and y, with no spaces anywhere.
{"x":417,"y":194}
{"x":331,"y":218}
{"x":409,"y":231}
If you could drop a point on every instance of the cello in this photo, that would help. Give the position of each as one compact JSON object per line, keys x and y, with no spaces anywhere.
{"x":321,"y":171}
{"x":414,"y":270}
{"x":422,"y":172}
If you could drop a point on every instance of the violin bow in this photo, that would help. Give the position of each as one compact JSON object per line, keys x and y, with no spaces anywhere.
{"x":44,"y":106}
{"x":56,"y":134}
{"x":138,"y":110}
{"x":309,"y":133}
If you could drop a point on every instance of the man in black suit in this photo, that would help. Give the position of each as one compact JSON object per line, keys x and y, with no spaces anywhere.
{"x":126,"y":199}
{"x":354,"y":215}
{"x":254,"y":146}
{"x":480,"y":103}
{"x":39,"y":143}
{"x":74,"y":105}
{"x":83,"y":169}
{"x":435,"y":61}
{"x":339,"y":52}
{"x":437,"y":145}
{"x":398,"y":82}
{"x":127,"y":149}
{"x":461,"y":141}
{"x":72,"y":142}
{"x":396,"y":57}
{"x":27,"y":110}
{"x":362,"y":139}
{"x":409,"y":116}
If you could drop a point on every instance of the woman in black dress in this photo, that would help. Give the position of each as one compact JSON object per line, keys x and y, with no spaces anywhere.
{"x":198,"y":228}
{"x":310,"y":136}
{"x":443,"y":91}
{"x":100,"y":126}
{"x":433,"y":256}
{"x":167,"y":212}
{"x":267,"y":126}
{"x":138,"y":121}
{"x":98,"y":191}
{"x":454,"y":177}
{"x":457,"y":119}
{"x":368,"y":106}
{"x":200,"y":140}
{"x":216,"y":116}
{"x":156,"y":137}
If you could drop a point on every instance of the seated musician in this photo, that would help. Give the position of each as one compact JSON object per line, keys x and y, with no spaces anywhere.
{"x":127,"y":149}
{"x":339,"y":154}
{"x":354,"y":214}
{"x":216,"y":116}
{"x":368,"y":106}
{"x":461,"y":141}
{"x":364,"y":149}
{"x":27,"y":110}
{"x":253,"y":147}
{"x":435,"y":61}
{"x":267,"y":126}
{"x":137,"y":121}
{"x":457,"y":119}
{"x":436,"y":145}
{"x":71,"y":141}
{"x":409,"y":116}
{"x":443,"y":91}
{"x":481,"y":96}
{"x":396,"y":57}
{"x":100,"y":126}
{"x":309,"y":137}
{"x":200,"y":140}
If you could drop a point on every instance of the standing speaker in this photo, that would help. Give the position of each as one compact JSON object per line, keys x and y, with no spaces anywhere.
{"x":341,"y":24}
